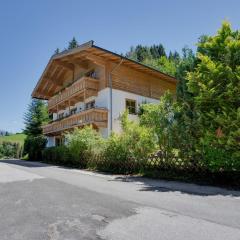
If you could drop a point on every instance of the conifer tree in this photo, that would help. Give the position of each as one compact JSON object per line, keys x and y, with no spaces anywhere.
{"x":57,"y":51}
{"x":35,"y":117}
{"x":215,"y":85}
{"x":72,"y":44}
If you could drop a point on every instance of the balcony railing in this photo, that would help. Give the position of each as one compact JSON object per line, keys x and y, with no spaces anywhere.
{"x":84,"y":87}
{"x":95,"y":116}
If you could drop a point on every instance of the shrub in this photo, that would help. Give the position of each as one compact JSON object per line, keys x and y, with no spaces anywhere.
{"x":128,"y":151}
{"x":83,"y":144}
{"x":33,"y":146}
{"x":57,"y":155}
{"x":161,"y":118}
{"x":124,"y":152}
{"x":10,"y":150}
{"x":219,"y":159}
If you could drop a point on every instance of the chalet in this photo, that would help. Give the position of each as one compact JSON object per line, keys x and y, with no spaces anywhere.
{"x":89,"y":85}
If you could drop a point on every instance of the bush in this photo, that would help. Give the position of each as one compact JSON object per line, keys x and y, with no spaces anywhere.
{"x":57,"y":155}
{"x":84,"y":144}
{"x":129,"y":150}
{"x":10,"y":150}
{"x":161,"y":118}
{"x":33,"y":146}
{"x":219,"y":159}
{"x":123,"y":153}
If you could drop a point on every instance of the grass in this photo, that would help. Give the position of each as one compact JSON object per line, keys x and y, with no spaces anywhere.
{"x":19,"y":137}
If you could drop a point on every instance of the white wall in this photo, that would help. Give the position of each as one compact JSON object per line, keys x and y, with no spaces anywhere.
{"x":103,"y":101}
{"x":119,"y":104}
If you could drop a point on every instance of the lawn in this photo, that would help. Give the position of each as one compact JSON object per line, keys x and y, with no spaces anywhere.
{"x":19,"y":137}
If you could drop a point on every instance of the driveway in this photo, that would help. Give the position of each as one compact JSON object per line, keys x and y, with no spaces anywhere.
{"x":40,"y":201}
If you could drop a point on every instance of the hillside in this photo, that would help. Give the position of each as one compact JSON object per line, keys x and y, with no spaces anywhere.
{"x":14,"y":138}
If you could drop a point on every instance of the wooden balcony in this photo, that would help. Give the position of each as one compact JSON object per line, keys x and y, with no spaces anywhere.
{"x":81,"y":89}
{"x":98,"y":117}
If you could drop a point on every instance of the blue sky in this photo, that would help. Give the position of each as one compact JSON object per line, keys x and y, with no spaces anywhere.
{"x":32,"y":30}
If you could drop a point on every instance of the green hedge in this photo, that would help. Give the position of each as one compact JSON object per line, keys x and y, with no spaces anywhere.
{"x":58,"y":155}
{"x":33,"y":146}
{"x":10,"y":149}
{"x":135,"y":151}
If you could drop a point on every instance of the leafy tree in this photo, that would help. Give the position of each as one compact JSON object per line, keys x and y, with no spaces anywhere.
{"x":161,"y":118}
{"x":73,"y":43}
{"x":215,"y":85}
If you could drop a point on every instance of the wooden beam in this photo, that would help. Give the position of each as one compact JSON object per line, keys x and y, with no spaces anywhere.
{"x":82,"y":63}
{"x":96,"y":59}
{"x":63,"y":64}
{"x":53,"y":81}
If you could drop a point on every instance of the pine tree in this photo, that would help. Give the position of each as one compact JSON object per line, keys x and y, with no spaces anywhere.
{"x":35,"y":117}
{"x":157,"y":51}
{"x":57,"y":51}
{"x":73,"y":43}
{"x":186,"y":64}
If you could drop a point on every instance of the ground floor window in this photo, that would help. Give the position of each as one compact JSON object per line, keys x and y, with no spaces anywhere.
{"x":131,"y":106}
{"x":59,"y":141}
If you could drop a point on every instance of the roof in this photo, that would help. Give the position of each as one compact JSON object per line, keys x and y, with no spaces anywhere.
{"x":59,"y":64}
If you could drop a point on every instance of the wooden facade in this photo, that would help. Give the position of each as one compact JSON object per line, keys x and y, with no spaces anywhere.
{"x":79,"y":74}
{"x":96,"y":117}
{"x":83,"y":88}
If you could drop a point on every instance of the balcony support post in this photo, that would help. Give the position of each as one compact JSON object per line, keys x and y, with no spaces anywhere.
{"x":69,"y":107}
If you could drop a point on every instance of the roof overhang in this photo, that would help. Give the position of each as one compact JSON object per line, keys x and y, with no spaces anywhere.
{"x":63,"y":63}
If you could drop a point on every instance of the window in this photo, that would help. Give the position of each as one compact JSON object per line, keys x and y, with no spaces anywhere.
{"x":91,"y":74}
{"x":131,"y":106}
{"x":50,"y":116}
{"x":90,"y":105}
{"x":73,"y":111}
{"x":60,"y":115}
{"x":59,"y":141}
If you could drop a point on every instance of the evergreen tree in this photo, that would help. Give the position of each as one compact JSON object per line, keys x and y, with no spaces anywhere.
{"x":157,"y":51}
{"x":174,"y":56}
{"x":73,"y":43}
{"x":142,"y":52}
{"x":215,"y":85}
{"x":57,"y":51}
{"x":186,"y":64}
{"x":35,"y":117}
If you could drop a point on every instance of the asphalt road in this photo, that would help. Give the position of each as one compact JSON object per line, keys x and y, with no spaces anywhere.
{"x":39,"y":201}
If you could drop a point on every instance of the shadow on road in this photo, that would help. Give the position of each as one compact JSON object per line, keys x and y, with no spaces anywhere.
{"x":151,"y":185}
{"x":145,"y":184}
{"x":24,"y":163}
